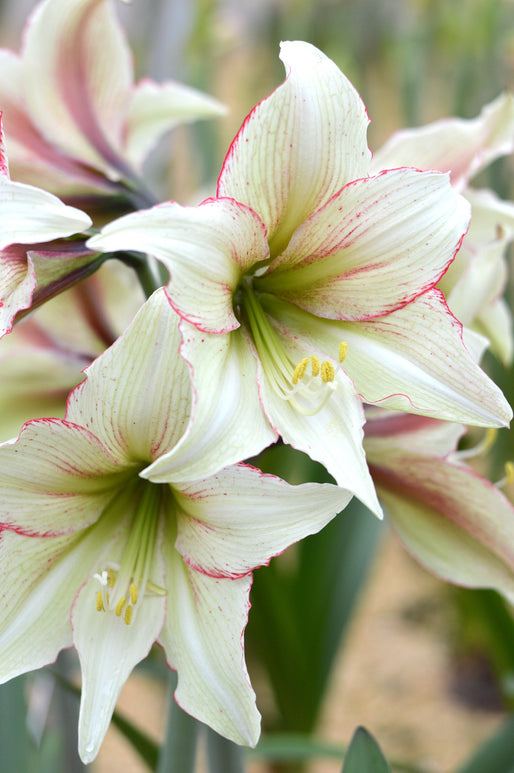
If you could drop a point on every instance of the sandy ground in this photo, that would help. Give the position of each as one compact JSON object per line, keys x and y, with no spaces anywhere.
{"x":394,"y":676}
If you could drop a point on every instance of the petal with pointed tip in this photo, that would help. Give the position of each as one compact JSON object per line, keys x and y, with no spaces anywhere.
{"x":240,"y":518}
{"x":203,"y":640}
{"x":156,"y":108}
{"x":299,"y":146}
{"x":207,"y":249}
{"x":455,"y":145}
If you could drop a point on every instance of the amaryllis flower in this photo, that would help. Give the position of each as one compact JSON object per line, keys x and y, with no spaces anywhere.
{"x":312,"y":282}
{"x":35,"y":261}
{"x":96,"y":554}
{"x":74,"y":119}
{"x":453,"y":521}
{"x":474,"y":283}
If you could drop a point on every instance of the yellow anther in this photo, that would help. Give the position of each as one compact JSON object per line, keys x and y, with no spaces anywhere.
{"x":107,"y":598}
{"x":315,"y":365}
{"x":299,"y":371}
{"x":343,"y":349}
{"x":509,"y":472}
{"x":99,"y":602}
{"x":112,"y":578}
{"x":133,"y":593}
{"x":489,"y":440}
{"x":327,"y":371}
{"x":119,"y":606}
{"x":128,"y":614}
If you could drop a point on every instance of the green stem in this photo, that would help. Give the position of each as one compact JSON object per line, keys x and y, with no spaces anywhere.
{"x":178,"y":752}
{"x":223,"y":756}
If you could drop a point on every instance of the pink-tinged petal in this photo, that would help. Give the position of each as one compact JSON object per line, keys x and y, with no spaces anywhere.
{"x":36,"y":576}
{"x":374,"y":247}
{"x":203,"y":640}
{"x":137,"y":395}
{"x":240,"y":518}
{"x":299,"y":146}
{"x":461,"y":147}
{"x":156,"y":108}
{"x":55,"y":478}
{"x":108,"y":650}
{"x":228,"y":421}
{"x":207,"y":249}
{"x":77,"y":77}
{"x":412,"y":360}
{"x":454,"y":522}
{"x":492,"y":218}
{"x":29,"y":215}
{"x":388,"y":431}
{"x":17,"y":284}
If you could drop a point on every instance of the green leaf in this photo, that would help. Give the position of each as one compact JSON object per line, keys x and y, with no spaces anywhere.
{"x":178,"y":752}
{"x":364,"y":755}
{"x":14,"y":740}
{"x":496,"y":755}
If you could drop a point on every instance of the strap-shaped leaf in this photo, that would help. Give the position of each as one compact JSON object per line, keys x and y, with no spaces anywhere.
{"x":364,"y":755}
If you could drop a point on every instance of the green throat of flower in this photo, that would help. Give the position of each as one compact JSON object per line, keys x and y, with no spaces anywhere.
{"x":306,"y":385}
{"x":123,"y":585}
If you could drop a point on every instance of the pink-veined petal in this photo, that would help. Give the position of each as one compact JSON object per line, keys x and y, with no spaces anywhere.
{"x":228,"y":421}
{"x":207,"y":249}
{"x":37,"y":592}
{"x":454,"y":522}
{"x":237,"y":520}
{"x":373,"y":247}
{"x":461,"y":147}
{"x":17,"y":284}
{"x":137,"y":395}
{"x":412,"y":360}
{"x":55,"y":478}
{"x":29,"y":215}
{"x":203,"y":640}
{"x":78,"y":76}
{"x":388,"y":431}
{"x":108,"y":650}
{"x":156,"y":108}
{"x":299,"y":146}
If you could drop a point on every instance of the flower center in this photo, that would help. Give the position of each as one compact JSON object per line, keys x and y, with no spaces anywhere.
{"x":305,"y":388}
{"x":123,"y":585}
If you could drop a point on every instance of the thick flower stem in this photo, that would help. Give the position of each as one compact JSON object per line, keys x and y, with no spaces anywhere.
{"x":223,"y":756}
{"x":178,"y":752}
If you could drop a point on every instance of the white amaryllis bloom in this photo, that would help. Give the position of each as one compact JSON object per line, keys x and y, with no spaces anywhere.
{"x":96,"y":554}
{"x":474,"y":283}
{"x":74,"y":118}
{"x":30,"y":220}
{"x":453,"y":521}
{"x":312,"y":283}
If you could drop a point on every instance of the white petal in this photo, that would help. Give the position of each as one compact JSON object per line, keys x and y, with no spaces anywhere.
{"x":454,"y":522}
{"x":228,"y":421}
{"x":374,"y":247}
{"x":388,"y":431}
{"x":455,"y":145}
{"x":56,"y":478}
{"x":109,"y":649}
{"x":156,"y":108}
{"x":207,"y":249}
{"x":240,"y":518}
{"x":29,"y":215}
{"x":299,"y":146}
{"x":203,"y":641}
{"x":137,"y":394}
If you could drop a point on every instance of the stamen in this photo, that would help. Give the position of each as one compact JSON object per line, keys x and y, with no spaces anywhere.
{"x":327,"y":371}
{"x":343,"y":350}
{"x":133,"y":593}
{"x":315,"y":365}
{"x":99,"y":602}
{"x":300,"y":370}
{"x":112,"y":578}
{"x":128,"y":615}
{"x":119,"y":606}
{"x":482,"y":447}
{"x":508,"y":478}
